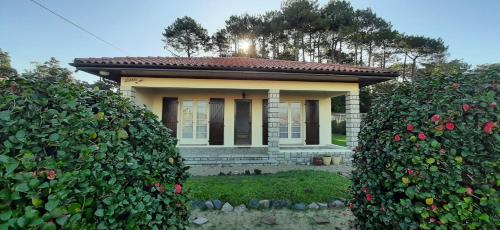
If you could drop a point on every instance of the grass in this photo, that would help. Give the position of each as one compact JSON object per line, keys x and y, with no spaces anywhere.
{"x":338,"y":139}
{"x":297,"y":186}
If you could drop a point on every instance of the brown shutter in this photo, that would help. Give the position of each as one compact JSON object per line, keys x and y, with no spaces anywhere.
{"x":312,"y":122}
{"x":169,"y":114}
{"x":216,"y":136}
{"x":265,"y":131}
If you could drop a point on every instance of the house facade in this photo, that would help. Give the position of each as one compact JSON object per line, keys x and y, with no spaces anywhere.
{"x":242,"y":110}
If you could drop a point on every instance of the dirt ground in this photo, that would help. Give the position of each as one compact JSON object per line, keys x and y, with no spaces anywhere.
{"x":285,"y":219}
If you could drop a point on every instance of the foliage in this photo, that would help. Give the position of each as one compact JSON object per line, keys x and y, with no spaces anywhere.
{"x":297,"y":186}
{"x":220,"y":42}
{"x":429,"y":155}
{"x":74,"y":158}
{"x":338,"y":127}
{"x":443,"y":68}
{"x":50,"y":70}
{"x":186,"y":35}
{"x":6,"y":69}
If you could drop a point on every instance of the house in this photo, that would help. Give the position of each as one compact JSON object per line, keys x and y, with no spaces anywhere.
{"x":242,"y":110}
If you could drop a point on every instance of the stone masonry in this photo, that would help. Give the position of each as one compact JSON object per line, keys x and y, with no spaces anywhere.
{"x":128,"y":93}
{"x":273,"y":146}
{"x":353,"y":118}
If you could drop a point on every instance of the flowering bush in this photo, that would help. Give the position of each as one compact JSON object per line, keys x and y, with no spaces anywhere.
{"x":429,"y":156}
{"x":74,"y":158}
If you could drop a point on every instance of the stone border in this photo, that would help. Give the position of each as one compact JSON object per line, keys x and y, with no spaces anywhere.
{"x":264,"y":204}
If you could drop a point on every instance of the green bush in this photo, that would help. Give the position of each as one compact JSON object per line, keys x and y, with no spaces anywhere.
{"x":429,"y":156}
{"x":83,"y":159}
{"x":338,"y":127}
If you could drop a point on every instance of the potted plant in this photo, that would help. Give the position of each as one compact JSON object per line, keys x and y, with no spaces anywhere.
{"x":337,"y":159}
{"x":317,"y":160}
{"x":327,"y":159}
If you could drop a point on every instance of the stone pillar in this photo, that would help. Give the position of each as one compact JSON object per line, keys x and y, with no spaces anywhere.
{"x":128,"y":92}
{"x":353,"y":118}
{"x":273,"y":122}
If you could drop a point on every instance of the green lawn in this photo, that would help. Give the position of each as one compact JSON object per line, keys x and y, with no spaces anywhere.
{"x":297,"y":186}
{"x":338,"y":139}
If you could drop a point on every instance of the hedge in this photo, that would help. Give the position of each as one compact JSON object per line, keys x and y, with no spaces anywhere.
{"x":429,"y":156}
{"x":74,"y":158}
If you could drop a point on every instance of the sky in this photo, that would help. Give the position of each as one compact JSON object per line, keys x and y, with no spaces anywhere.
{"x":471,"y":29}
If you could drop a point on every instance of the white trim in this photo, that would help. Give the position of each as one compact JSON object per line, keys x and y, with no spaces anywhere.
{"x":194,"y":140}
{"x":290,"y":140}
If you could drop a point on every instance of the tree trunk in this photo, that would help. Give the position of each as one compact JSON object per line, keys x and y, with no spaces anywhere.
{"x":355,"y":53}
{"x":340,"y":51}
{"x":370,"y":50}
{"x":303,"y":48}
{"x":361,"y":55}
{"x":404,"y":66}
{"x":414,"y":68}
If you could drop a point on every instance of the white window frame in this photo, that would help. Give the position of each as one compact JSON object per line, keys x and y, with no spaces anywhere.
{"x":289,"y":140}
{"x":194,"y":140}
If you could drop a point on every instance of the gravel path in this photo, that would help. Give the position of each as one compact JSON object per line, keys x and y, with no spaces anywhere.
{"x":284,"y":219}
{"x":343,"y":169}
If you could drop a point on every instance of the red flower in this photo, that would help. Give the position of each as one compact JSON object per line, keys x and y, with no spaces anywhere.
{"x":435,"y":118}
{"x":465,"y":107}
{"x":488,"y":128}
{"x":409,"y":128}
{"x":397,"y":138}
{"x":51,"y":175}
{"x":469,"y":191}
{"x":410,"y":171}
{"x":178,"y":188}
{"x":493,"y":105}
{"x":422,"y":136}
{"x":434,"y":208}
{"x":369,"y":197}
{"x":351,"y":205}
{"x":450,"y":126}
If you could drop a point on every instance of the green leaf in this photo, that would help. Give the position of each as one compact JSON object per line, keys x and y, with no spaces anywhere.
{"x":49,"y":226}
{"x":23,"y":187}
{"x":430,"y":160}
{"x":4,"y":216}
{"x":433,"y":168}
{"x":5,"y":115}
{"x":99,"y":212}
{"x":10,"y":163}
{"x":62,"y":220}
{"x":122,"y":134}
{"x":54,"y":137}
{"x":21,"y":135}
{"x":51,"y":205}
{"x":74,"y":208}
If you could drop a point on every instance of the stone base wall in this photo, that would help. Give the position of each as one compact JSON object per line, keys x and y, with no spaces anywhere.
{"x":353,"y":119}
{"x":304,"y":157}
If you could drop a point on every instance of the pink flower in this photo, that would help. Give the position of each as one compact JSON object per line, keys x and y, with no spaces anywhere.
{"x":410,"y":171}
{"x":493,"y":105}
{"x":364,"y":190}
{"x":369,"y":197}
{"x":469,"y":191}
{"x":432,"y":220}
{"x":51,"y":175}
{"x":488,"y":128}
{"x":435,"y":118}
{"x":178,"y":188}
{"x":434,"y":208}
{"x":397,"y":138}
{"x":351,"y":206}
{"x":409,"y":128}
{"x":465,"y":107}
{"x":450,"y":126}
{"x":422,"y":136}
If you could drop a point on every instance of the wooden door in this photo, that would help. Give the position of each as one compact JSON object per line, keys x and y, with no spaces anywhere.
{"x":312,"y":122}
{"x":216,"y":136}
{"x":243,"y":123}
{"x":265,"y":131}
{"x":169,"y":114}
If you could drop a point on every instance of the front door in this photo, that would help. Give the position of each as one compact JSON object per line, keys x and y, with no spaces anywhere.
{"x":243,"y":123}
{"x":312,"y":122}
{"x":216,"y":134}
{"x":169,"y":114}
{"x":265,"y":130}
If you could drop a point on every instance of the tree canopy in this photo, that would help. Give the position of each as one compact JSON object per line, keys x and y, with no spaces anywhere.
{"x":186,"y":35}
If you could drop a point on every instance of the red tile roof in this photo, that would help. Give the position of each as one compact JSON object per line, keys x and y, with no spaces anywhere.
{"x":230,"y":63}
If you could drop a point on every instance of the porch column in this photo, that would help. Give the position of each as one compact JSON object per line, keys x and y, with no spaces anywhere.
{"x":353,"y":118}
{"x":273,"y":122}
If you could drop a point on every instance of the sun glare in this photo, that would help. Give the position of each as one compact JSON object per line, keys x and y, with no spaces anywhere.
{"x":244,"y":45}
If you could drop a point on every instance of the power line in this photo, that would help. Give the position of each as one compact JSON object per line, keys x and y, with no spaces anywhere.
{"x":78,"y":26}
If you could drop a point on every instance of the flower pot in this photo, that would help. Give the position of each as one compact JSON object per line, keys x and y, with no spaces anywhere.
{"x":317,"y":160}
{"x":337,"y":160}
{"x":327,"y":160}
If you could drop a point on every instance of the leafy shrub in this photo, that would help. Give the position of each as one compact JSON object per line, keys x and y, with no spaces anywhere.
{"x":429,"y":156}
{"x":338,"y":127}
{"x":74,"y":158}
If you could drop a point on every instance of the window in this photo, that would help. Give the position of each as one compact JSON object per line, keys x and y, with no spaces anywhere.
{"x":194,"y":119}
{"x":290,"y":117}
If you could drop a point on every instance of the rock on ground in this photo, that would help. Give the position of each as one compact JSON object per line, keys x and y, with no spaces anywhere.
{"x":240,"y":208}
{"x":217,"y":204}
{"x":227,"y":207}
{"x":200,"y":220}
{"x":209,"y":205}
{"x":313,"y":206}
{"x":264,"y":204}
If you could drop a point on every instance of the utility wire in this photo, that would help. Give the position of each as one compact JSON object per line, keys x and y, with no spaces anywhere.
{"x":78,"y":26}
